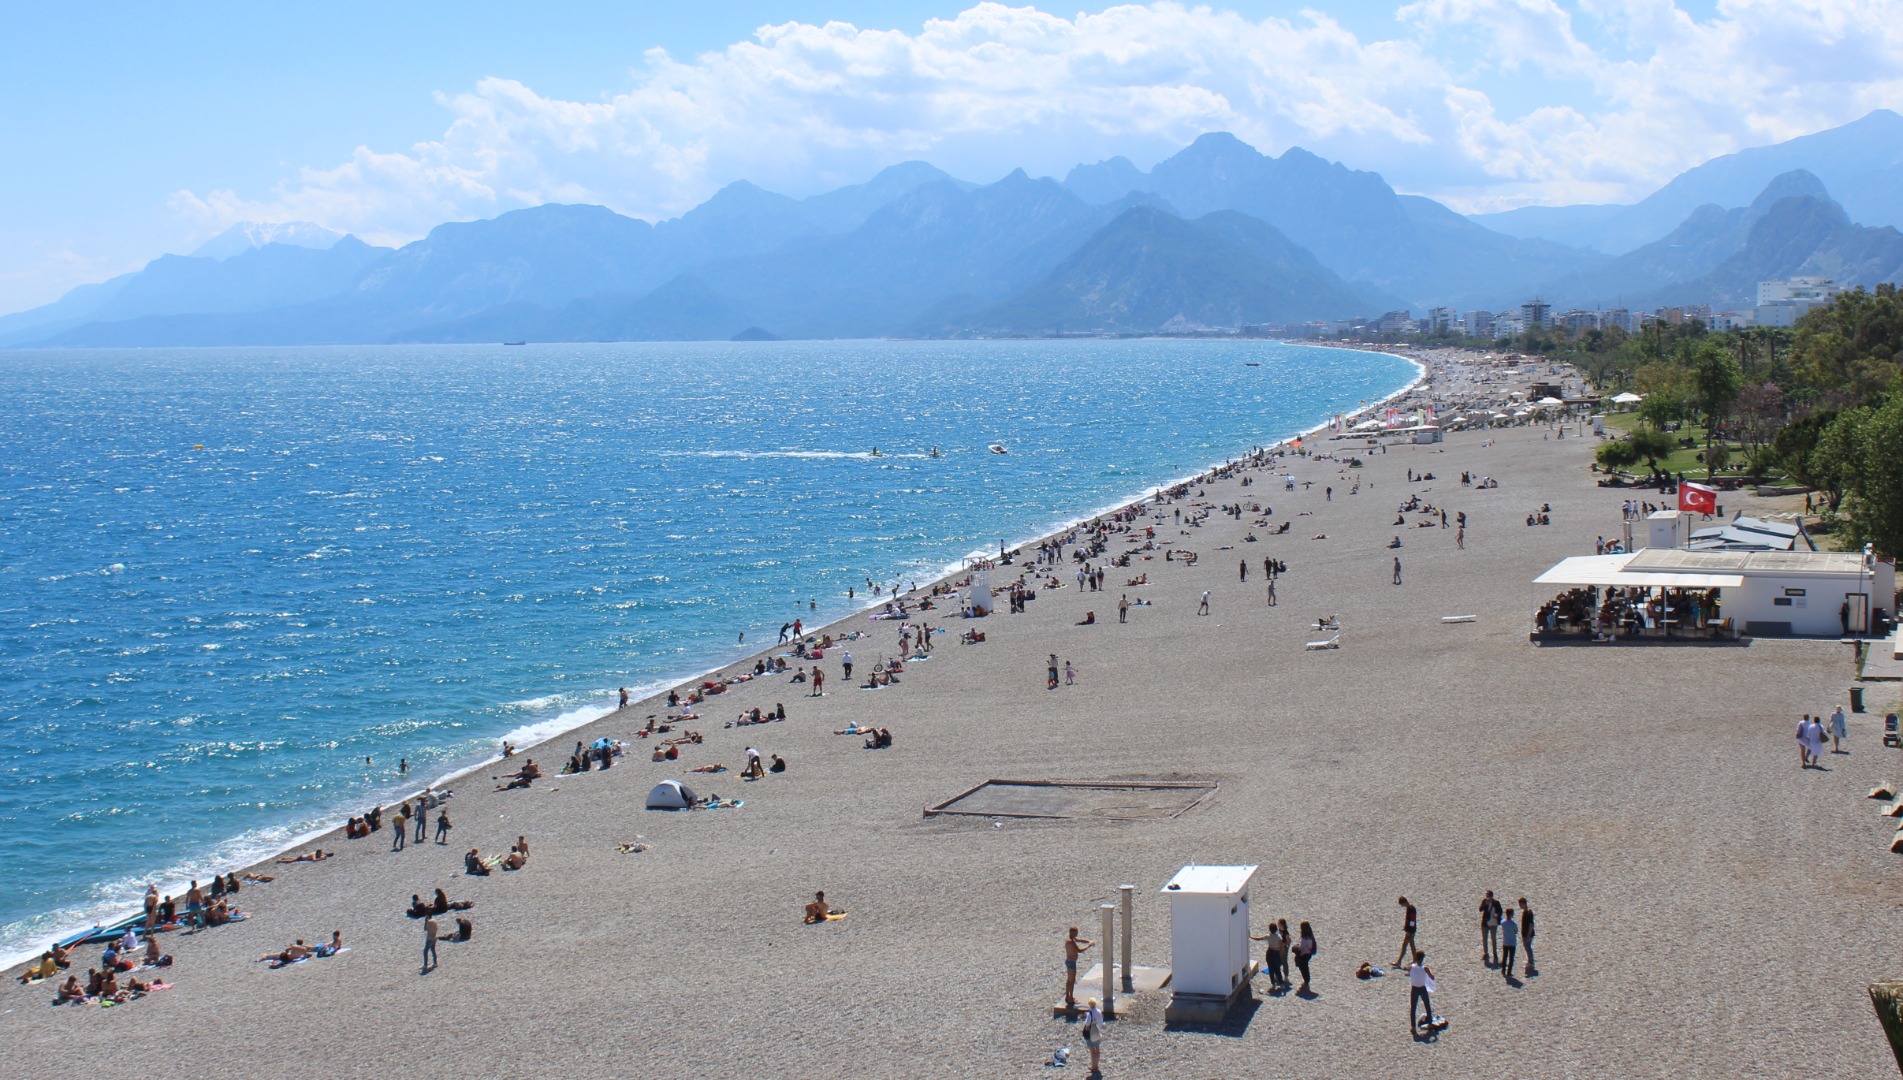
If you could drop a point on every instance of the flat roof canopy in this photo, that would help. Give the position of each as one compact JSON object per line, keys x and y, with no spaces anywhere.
{"x":1611,"y":570}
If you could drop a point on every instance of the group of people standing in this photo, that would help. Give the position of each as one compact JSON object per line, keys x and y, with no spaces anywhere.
{"x":1811,"y":735}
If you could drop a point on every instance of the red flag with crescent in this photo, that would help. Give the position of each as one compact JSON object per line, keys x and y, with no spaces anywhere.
{"x":1697,"y":498}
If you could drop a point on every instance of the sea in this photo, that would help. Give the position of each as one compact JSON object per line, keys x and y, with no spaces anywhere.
{"x":239,"y":587}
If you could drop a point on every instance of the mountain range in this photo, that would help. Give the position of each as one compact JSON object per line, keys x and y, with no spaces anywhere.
{"x":1216,"y":235}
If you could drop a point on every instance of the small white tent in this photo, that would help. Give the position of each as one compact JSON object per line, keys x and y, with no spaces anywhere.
{"x":671,"y":795}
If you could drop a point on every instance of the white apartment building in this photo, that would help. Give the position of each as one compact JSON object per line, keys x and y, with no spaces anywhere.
{"x":1782,"y":303}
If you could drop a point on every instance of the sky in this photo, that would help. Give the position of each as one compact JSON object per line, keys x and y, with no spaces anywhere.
{"x":140,"y":129}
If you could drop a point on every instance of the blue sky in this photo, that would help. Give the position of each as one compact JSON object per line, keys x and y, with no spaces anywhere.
{"x":142,"y":129}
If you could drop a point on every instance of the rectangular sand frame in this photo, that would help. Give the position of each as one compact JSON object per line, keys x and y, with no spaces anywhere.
{"x":1105,"y":800}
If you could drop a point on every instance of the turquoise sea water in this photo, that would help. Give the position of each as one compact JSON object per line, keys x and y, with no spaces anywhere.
{"x":228,"y":577}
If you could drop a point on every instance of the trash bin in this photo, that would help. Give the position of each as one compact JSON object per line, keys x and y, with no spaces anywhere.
{"x":1856,"y":699}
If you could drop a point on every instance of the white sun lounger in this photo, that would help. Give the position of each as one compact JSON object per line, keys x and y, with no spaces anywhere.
{"x":1330,"y":643}
{"x":1456,"y":618}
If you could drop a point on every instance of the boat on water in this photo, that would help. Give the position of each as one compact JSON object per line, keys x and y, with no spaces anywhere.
{"x":1252,"y":363}
{"x":515,"y":343}
{"x":998,"y":448}
{"x":875,"y":453}
{"x":935,"y":452}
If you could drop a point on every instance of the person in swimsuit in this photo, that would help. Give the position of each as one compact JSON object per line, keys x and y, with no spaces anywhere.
{"x":819,"y":910}
{"x":1074,"y":947}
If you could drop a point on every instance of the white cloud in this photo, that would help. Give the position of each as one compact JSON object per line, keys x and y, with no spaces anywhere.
{"x":1483,"y":102}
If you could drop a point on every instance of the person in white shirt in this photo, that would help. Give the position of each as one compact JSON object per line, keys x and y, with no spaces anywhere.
{"x":1420,"y":981}
{"x":1509,"y":944}
{"x":1838,"y":732}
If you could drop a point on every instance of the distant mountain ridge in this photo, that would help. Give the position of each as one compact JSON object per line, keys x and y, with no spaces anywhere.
{"x":1861,"y":162}
{"x":1217,"y":234}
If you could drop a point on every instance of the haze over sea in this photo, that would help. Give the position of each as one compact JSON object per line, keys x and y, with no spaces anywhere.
{"x":229,"y":577}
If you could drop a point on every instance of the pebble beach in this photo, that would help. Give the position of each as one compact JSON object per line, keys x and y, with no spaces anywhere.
{"x":1705,"y":906}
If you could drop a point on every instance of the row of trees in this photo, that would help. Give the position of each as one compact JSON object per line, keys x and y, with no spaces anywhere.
{"x":1822,"y":401}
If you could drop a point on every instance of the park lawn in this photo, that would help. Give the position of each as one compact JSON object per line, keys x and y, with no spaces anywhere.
{"x":1684,"y":460}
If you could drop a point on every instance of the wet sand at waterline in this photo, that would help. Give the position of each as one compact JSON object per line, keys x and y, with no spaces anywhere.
{"x":1704,"y":906}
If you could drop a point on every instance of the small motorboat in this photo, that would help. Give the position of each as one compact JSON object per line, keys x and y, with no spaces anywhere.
{"x":998,"y":448}
{"x":1252,"y":363}
{"x":515,"y":343}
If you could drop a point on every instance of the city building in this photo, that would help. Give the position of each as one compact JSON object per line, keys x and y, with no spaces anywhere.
{"x":1782,"y":303}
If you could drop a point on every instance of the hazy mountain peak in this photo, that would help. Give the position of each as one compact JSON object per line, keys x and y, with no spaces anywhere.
{"x":247,"y":235}
{"x":1797,"y":182}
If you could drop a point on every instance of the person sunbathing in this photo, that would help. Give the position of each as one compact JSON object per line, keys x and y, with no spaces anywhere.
{"x":852,"y":728}
{"x":529,"y":773}
{"x":259,"y":879}
{"x":714,"y":768}
{"x":418,"y":908}
{"x":94,"y":980}
{"x":297,"y":951}
{"x":473,"y":864}
{"x":334,"y":946}
{"x":515,"y":861}
{"x":153,"y":957}
{"x":819,"y":910}
{"x":109,"y":988}
{"x":72,"y":991}
{"x":136,"y":985}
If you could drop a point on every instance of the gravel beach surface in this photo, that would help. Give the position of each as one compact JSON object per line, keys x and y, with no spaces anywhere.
{"x":1705,"y":907}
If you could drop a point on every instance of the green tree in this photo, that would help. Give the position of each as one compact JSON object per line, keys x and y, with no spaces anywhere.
{"x":1716,"y":380}
{"x":1615,"y":455}
{"x":1650,"y":444}
{"x":1870,"y":441}
{"x":1795,"y":446}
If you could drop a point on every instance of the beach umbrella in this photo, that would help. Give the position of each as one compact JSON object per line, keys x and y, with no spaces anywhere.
{"x":1499,"y":416}
{"x":1550,"y":401}
{"x":1369,"y":425}
{"x":1627,"y":398}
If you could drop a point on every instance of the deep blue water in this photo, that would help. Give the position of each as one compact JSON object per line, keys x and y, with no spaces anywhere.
{"x":229,"y":576}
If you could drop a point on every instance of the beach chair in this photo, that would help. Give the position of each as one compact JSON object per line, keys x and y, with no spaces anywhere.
{"x":1456,"y":618}
{"x":1326,"y":643}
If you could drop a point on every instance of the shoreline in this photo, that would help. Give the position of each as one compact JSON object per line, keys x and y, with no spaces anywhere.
{"x":655,"y":690}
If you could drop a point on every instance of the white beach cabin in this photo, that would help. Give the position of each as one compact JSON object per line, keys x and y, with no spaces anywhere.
{"x":1210,"y":967}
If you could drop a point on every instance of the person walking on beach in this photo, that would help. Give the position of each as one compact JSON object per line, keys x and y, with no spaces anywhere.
{"x":1070,"y":674}
{"x":1203,"y":608}
{"x":1050,"y":674}
{"x":1810,"y":741}
{"x":1509,"y":944}
{"x":1838,"y":732}
{"x":1271,"y":592}
{"x":423,"y":803}
{"x":402,"y":831}
{"x":1305,"y":949}
{"x":1526,"y":935}
{"x":1460,"y":538}
{"x":1409,"y":923}
{"x":845,"y":665}
{"x":819,"y":681}
{"x":1397,"y":569}
{"x":430,"y":931}
{"x":1074,"y":948}
{"x":442,"y":826}
{"x":1123,"y":608}
{"x":1245,"y":570}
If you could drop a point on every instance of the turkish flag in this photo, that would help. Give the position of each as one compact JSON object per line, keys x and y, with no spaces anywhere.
{"x":1697,"y":498}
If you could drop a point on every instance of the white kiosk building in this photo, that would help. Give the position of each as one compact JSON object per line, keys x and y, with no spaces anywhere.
{"x":1210,"y":967}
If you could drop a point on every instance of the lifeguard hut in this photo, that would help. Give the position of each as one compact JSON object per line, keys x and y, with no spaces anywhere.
{"x":1210,"y":967}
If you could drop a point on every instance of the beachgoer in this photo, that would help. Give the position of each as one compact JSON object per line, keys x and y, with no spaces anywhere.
{"x":1397,"y":569}
{"x":779,"y":764}
{"x":1070,"y":674}
{"x":1509,"y":944}
{"x":1838,"y":732}
{"x":1074,"y":948}
{"x":443,"y":826}
{"x":845,"y":665}
{"x":1489,"y":929}
{"x":1409,"y":923}
{"x":819,"y":680}
{"x":1275,"y":956}
{"x":430,"y":932}
{"x":1203,"y":608}
{"x":819,"y":910}
{"x":1093,"y":1035}
{"x":1526,"y":934}
{"x":1050,"y":674}
{"x":1305,"y":949}
{"x":1420,"y":981}
{"x":1123,"y":606}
